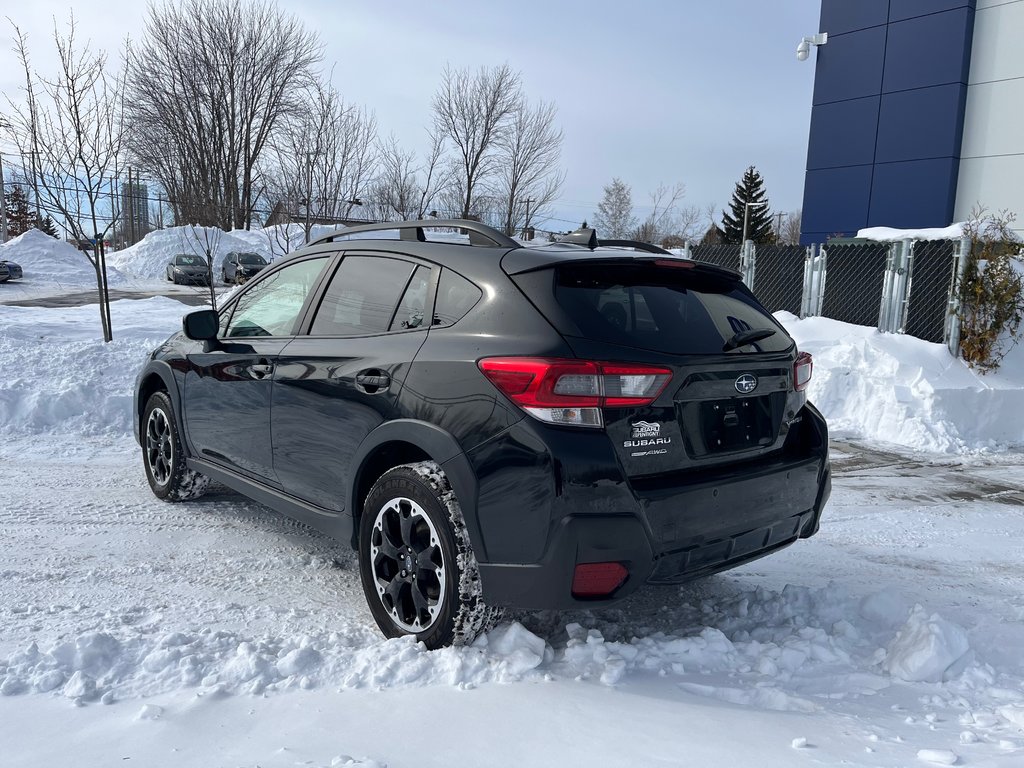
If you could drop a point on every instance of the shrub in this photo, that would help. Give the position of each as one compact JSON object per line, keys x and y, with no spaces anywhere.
{"x":991,"y":291}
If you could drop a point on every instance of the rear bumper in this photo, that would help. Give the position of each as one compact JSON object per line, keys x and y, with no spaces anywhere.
{"x":666,"y":532}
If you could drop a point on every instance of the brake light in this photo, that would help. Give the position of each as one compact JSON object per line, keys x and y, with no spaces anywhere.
{"x":802,"y":369}
{"x":562,"y":391}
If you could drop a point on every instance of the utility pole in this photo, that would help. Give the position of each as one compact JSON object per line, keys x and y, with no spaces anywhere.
{"x":778,"y":227}
{"x":526,"y":226}
{"x":3,"y":203}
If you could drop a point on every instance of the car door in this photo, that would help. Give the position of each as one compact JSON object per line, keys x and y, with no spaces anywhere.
{"x":343,"y":378}
{"x":228,"y":385}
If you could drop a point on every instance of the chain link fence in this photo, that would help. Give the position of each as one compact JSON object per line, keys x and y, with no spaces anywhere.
{"x":931,"y":281}
{"x":778,"y":277}
{"x":727,"y":256}
{"x":853,"y":282}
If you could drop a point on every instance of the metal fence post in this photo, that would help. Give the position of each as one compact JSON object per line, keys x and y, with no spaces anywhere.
{"x":748,"y":263}
{"x":906,"y":283}
{"x":815,"y":263}
{"x":952,"y":327}
{"x":686,"y":250}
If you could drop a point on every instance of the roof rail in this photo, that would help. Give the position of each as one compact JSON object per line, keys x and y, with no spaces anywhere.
{"x":588,"y":237}
{"x":479,"y":234}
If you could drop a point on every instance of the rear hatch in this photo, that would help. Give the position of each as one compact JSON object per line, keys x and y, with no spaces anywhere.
{"x":730,"y":394}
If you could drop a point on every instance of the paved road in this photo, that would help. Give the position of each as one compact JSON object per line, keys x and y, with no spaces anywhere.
{"x":196,"y":299}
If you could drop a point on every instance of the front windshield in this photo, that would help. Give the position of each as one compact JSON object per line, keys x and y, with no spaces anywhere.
{"x":187,"y":260}
{"x":250,"y":258}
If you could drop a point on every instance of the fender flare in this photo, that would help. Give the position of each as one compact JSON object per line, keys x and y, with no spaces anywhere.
{"x":165,"y":373}
{"x":442,"y":447}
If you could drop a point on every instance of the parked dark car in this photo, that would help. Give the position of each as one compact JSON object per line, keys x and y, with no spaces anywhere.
{"x":493,"y":426}
{"x":9,"y":271}
{"x":189,"y":269}
{"x":239,"y":267}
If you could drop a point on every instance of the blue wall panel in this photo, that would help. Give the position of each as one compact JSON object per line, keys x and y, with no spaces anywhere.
{"x":851,"y":15}
{"x":850,"y":66}
{"x":919,"y":124}
{"x":843,"y":133}
{"x":906,"y":63}
{"x":841,"y":196}
{"x":908,"y":9}
{"x":918,"y":193}
{"x":925,"y":51}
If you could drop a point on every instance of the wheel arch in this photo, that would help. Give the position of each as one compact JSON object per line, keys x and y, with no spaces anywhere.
{"x":405,"y":441}
{"x":156,"y":377}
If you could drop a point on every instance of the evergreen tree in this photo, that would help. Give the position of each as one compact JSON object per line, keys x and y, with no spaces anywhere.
{"x":20,"y":218}
{"x":749,"y":189}
{"x":614,"y":218}
{"x":48,"y":226}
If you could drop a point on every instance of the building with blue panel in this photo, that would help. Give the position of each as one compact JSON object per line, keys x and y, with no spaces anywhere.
{"x":915,"y":117}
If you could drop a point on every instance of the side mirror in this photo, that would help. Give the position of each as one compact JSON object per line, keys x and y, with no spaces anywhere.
{"x":202,"y":325}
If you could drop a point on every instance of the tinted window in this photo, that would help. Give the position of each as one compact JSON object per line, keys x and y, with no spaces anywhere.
{"x":412,"y":306}
{"x":455,"y":297}
{"x":250,"y":258}
{"x":271,"y":307}
{"x":668,"y":309}
{"x":362,"y":296}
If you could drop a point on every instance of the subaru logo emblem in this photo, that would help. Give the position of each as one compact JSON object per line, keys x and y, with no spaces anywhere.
{"x":746,"y":384}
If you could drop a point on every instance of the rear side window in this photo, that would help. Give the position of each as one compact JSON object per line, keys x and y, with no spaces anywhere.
{"x":362,"y":296}
{"x":455,"y":297}
{"x":664,"y":309}
{"x":413,"y":304}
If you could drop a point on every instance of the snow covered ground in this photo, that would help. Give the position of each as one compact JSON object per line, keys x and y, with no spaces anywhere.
{"x":217,"y":633}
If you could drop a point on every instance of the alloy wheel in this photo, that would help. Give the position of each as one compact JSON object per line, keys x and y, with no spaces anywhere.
{"x":159,"y":446}
{"x":408,"y":566}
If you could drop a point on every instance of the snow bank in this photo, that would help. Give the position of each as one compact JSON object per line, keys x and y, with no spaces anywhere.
{"x":903,"y":390}
{"x":148,"y":258}
{"x":46,"y":259}
{"x":889,"y":234}
{"x":61,"y":377}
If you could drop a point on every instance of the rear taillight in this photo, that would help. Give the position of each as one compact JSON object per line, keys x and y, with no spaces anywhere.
{"x":574,"y":391}
{"x":802,"y":369}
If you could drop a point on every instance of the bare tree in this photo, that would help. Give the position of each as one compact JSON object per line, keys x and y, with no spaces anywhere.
{"x":664,"y":216}
{"x":614,"y":218}
{"x":203,"y":242}
{"x":405,"y":189}
{"x":528,"y":176}
{"x":790,"y":234}
{"x":474,"y":110}
{"x":208,"y":86}
{"x":71,"y":127}
{"x":325,"y":157}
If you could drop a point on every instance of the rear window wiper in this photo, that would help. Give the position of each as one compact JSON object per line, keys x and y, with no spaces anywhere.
{"x":742,"y":338}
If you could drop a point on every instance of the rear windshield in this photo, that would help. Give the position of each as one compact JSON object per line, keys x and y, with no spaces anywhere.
{"x":664,"y":309}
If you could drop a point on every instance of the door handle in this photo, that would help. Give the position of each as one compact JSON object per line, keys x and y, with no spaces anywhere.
{"x":372,"y":381}
{"x":261,"y":370}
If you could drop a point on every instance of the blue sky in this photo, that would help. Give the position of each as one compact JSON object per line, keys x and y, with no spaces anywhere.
{"x":689,"y":91}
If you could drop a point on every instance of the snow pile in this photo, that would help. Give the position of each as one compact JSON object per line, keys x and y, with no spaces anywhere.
{"x":889,"y":234}
{"x":46,"y":259}
{"x":771,"y":650}
{"x":903,"y":390}
{"x":60,"y":376}
{"x":148,"y":258}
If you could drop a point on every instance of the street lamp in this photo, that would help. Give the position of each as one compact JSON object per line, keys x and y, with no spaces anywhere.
{"x":746,"y":215}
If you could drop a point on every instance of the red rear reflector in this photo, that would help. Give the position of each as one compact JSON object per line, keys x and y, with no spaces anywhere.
{"x":679,"y":263}
{"x":597,"y":579}
{"x":802,"y":369}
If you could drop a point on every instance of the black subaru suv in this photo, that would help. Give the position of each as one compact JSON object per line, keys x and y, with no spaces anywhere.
{"x":491,"y":425}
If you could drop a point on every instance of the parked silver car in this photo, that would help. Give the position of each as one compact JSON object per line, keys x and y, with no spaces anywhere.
{"x":189,"y":268}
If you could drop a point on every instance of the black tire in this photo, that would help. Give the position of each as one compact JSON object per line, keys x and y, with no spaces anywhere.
{"x":413,"y":540}
{"x":163,"y":455}
{"x":224,"y":277}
